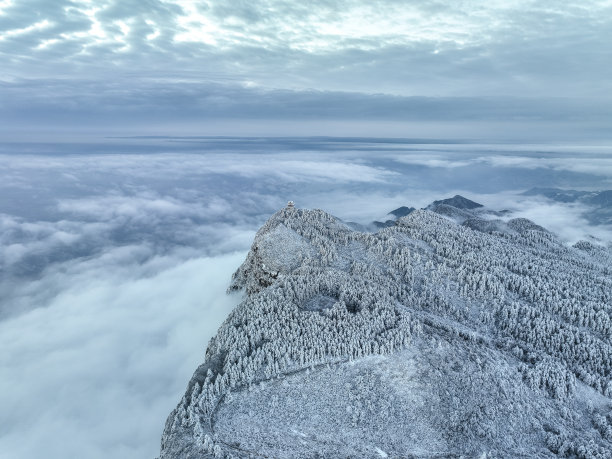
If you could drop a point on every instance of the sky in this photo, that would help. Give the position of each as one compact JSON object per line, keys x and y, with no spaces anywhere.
{"x":509,"y":69}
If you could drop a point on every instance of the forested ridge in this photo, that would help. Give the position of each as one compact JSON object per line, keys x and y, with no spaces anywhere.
{"x":506,"y":293}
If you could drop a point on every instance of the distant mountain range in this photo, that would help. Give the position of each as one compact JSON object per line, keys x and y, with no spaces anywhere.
{"x":450,"y":207}
{"x":597,"y":210}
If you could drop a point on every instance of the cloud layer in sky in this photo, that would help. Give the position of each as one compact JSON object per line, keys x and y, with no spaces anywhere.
{"x":138,"y":62}
{"x":418,"y":48}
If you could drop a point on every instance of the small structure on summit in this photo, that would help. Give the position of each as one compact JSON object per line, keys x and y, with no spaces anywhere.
{"x":290,"y":205}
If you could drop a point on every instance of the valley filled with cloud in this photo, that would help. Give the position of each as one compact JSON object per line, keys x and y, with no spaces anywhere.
{"x":114,"y":266}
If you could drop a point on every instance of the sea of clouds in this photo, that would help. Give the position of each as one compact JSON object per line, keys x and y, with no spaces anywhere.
{"x":115,"y":255}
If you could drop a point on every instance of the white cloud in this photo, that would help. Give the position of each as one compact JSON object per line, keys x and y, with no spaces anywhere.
{"x":581,"y":163}
{"x":100,"y":341}
{"x":143,"y":206}
{"x":432,"y":160}
{"x":96,"y":370}
{"x":566,"y":220}
{"x":288,"y":166}
{"x":593,"y":160}
{"x":296,"y":170}
{"x":37,"y":26}
{"x":20,"y":238}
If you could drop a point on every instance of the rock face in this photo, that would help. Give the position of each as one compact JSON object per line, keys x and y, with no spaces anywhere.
{"x":430,"y":338}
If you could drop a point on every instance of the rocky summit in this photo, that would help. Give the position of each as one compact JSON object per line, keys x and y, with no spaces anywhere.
{"x":452,"y":333}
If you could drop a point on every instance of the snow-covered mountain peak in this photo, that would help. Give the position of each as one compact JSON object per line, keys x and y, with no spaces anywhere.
{"x":436,"y":336}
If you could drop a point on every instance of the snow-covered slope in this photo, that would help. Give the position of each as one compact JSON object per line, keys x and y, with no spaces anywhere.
{"x":430,"y":338}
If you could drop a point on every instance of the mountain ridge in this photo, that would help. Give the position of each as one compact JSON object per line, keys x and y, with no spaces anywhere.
{"x":456,"y":202}
{"x":453,"y":325}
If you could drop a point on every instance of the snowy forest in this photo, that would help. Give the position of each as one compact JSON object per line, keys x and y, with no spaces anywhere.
{"x":503,"y":332}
